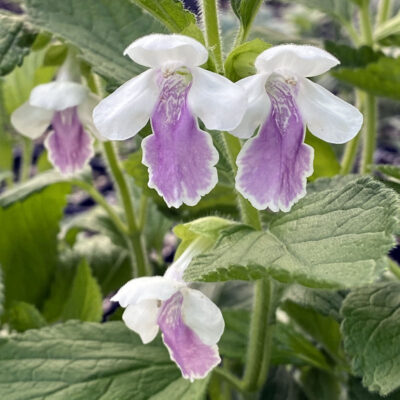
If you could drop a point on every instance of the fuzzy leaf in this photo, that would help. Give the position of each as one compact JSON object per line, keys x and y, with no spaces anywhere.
{"x":24,"y":316}
{"x":336,"y":237}
{"x":101,"y":29}
{"x":15,"y":42}
{"x":371,"y":330}
{"x":83,"y":360}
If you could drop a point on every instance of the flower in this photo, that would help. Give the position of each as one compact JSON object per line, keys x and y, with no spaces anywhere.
{"x":173,"y":93}
{"x":274,"y":165}
{"x":67,"y":107}
{"x":190,"y":323}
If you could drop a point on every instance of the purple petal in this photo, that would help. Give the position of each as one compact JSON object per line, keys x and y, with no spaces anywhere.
{"x":193,"y":357}
{"x":180,"y":156}
{"x":70,"y":146}
{"x":273,"y":166}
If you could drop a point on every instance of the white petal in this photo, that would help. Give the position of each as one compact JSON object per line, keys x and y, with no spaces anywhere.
{"x":125,"y":112}
{"x":301,"y":60}
{"x":327,"y":116}
{"x":142,"y":319}
{"x":146,"y":288}
{"x":85,"y":112}
{"x":157,"y":49}
{"x":258,"y":105}
{"x":58,"y":96}
{"x":31,"y":121}
{"x":217,"y":101}
{"x":202,"y":316}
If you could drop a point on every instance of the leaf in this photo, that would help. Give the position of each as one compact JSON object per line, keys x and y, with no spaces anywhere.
{"x":325,"y":161}
{"x":24,"y":316}
{"x":332,"y":238}
{"x":371,"y":329}
{"x":18,"y":84}
{"x":82,"y":360}
{"x":85,"y":300}
{"x":320,"y":385}
{"x":109,"y":264}
{"x":101,"y":29}
{"x":240,"y":61}
{"x":281,"y":385}
{"x":246,"y":11}
{"x":353,"y":57}
{"x":324,"y":330}
{"x":358,"y":392}
{"x":325,"y":302}
{"x":381,"y":78}
{"x":171,"y":13}
{"x":15,"y":42}
{"x":29,"y":218}
{"x":392,"y":171}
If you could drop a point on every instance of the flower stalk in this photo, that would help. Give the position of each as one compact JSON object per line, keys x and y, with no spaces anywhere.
{"x":212,"y":32}
{"x":135,"y":237}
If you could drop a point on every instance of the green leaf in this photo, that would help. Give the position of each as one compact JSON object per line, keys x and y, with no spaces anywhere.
{"x":240,"y":61}
{"x":336,"y":237}
{"x":101,"y":29}
{"x":358,"y":392}
{"x":85,"y":300}
{"x":371,"y":328}
{"x":83,"y":360}
{"x":392,"y":171}
{"x":291,"y":347}
{"x":18,"y":84}
{"x":353,"y":57}
{"x":325,"y":161}
{"x":325,"y":302}
{"x":246,"y":11}
{"x":29,"y":217}
{"x":320,"y":385}
{"x":381,"y":78}
{"x":324,"y":330}
{"x":23,"y":316}
{"x":15,"y":42}
{"x":171,"y":13}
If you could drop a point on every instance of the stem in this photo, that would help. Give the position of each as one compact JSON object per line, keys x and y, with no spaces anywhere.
{"x":370,"y":123}
{"x":258,"y":334}
{"x":143,"y":211}
{"x":101,"y":201}
{"x":395,"y":268}
{"x":142,"y":268}
{"x":26,"y":159}
{"x":366,"y":26}
{"x":384,"y":11}
{"x":212,"y":32}
{"x":369,"y":134}
{"x":230,"y":378}
{"x":351,"y":148}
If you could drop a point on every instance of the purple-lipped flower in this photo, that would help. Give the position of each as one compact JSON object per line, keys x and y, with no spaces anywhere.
{"x":173,"y":93}
{"x":273,"y":166}
{"x":191,"y":324}
{"x":66,"y":106}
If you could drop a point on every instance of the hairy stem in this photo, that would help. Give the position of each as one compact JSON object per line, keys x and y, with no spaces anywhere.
{"x":212,"y":32}
{"x":141,"y":267}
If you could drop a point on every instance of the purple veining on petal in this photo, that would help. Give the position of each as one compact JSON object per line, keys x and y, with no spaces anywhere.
{"x":194,"y":358}
{"x":180,"y":156}
{"x":274,"y":165}
{"x":70,"y":146}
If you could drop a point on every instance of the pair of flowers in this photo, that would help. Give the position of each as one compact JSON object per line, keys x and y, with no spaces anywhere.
{"x":174,"y":93}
